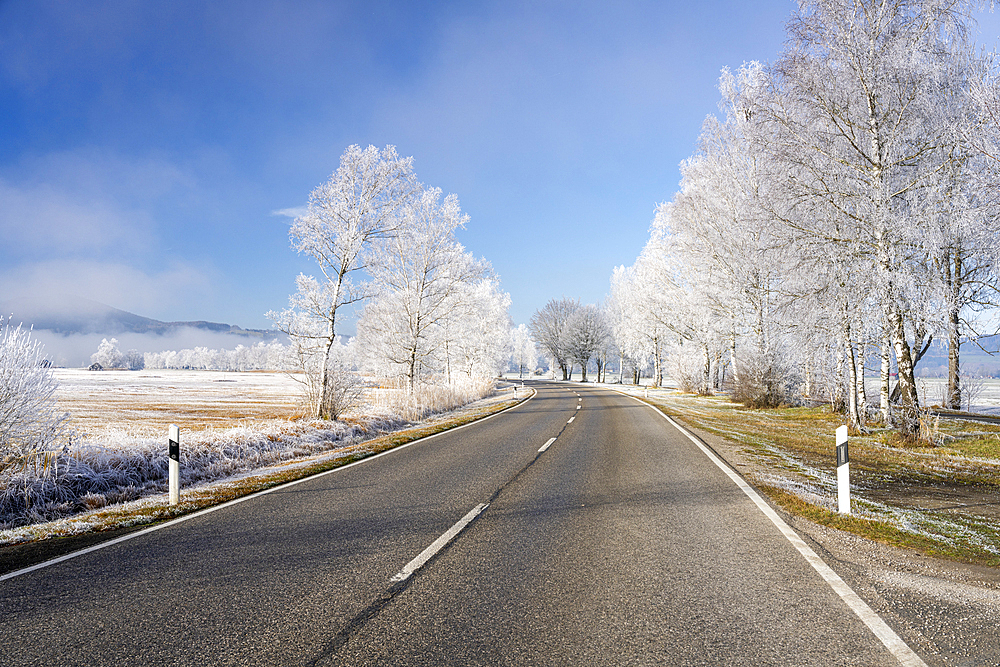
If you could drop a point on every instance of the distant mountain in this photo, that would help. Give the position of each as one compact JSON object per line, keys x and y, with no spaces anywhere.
{"x":975,"y":357}
{"x":76,"y":315}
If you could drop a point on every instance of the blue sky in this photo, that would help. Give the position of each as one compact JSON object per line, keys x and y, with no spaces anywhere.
{"x":151,"y":152}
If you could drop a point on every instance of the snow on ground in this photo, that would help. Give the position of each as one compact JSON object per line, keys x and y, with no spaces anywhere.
{"x":147,"y":402}
{"x":985,"y":393}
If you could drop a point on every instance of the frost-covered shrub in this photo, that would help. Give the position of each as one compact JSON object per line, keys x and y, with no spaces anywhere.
{"x":767,"y":380}
{"x":29,"y":420}
{"x":395,"y":399}
{"x":687,"y":370}
{"x":118,"y":467}
{"x":121,"y":465}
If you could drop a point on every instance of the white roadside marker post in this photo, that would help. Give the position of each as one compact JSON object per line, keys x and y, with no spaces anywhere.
{"x":175,"y":464}
{"x":843,"y":472}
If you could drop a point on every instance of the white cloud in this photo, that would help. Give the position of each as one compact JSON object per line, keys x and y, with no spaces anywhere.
{"x":84,"y":203}
{"x":293,"y":212}
{"x":176,"y":291}
{"x":46,"y":217}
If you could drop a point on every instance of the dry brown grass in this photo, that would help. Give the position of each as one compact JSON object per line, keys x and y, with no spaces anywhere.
{"x":149,"y":401}
{"x":942,"y":499}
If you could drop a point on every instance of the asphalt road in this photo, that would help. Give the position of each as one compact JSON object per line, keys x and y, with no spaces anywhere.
{"x":620,"y":544}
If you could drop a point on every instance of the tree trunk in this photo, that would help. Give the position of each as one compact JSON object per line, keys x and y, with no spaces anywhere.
{"x":324,"y":377}
{"x":706,"y":377}
{"x":838,"y":386}
{"x":717,"y":377}
{"x":852,"y":380}
{"x":884,"y":405}
{"x":904,"y":372}
{"x":862,"y":389}
{"x":954,"y":398}
{"x":657,"y":364}
{"x":807,"y":374}
{"x":732,"y":357}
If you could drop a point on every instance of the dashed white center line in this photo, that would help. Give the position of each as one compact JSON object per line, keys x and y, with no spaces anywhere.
{"x":578,"y":407}
{"x":546,"y":445}
{"x":571,"y":419}
{"x":438,"y":544}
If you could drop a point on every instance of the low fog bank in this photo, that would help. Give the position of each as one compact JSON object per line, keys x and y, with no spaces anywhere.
{"x":74,"y":350}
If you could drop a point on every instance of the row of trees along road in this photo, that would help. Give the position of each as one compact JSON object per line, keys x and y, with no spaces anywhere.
{"x":432,"y":312}
{"x":843,"y":206}
{"x":572,"y":334}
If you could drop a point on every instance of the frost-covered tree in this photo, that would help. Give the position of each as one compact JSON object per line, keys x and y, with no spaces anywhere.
{"x":548,"y":327}
{"x":108,"y":355}
{"x":357,"y":207}
{"x":477,"y":345}
{"x":844,"y":202}
{"x":629,"y":325}
{"x":587,"y":335}
{"x":423,"y":280}
{"x":134,"y":360}
{"x":29,"y":419}
{"x":524,"y":354}
{"x":860,"y":107}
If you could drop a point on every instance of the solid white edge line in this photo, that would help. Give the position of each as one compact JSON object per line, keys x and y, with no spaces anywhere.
{"x":237,"y":501}
{"x":546,"y":445}
{"x":437,"y":544}
{"x":879,"y":627}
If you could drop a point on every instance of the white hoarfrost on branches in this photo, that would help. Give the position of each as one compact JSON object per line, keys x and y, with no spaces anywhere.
{"x":550,"y":328}
{"x":30,"y":422}
{"x":587,"y":338}
{"x":108,"y":355}
{"x":433,"y":315}
{"x":841,"y":211}
{"x":524,"y":354}
{"x":359,"y":206}
{"x":437,"y":313}
{"x":262,"y":356}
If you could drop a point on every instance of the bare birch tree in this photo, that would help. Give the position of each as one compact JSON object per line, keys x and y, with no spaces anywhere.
{"x":549,"y":326}
{"x":356,"y":208}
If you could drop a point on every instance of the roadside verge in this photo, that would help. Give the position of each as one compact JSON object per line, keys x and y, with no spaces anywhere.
{"x":99,"y":528}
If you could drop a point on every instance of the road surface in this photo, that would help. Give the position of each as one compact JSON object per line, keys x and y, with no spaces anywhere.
{"x":620,"y":543}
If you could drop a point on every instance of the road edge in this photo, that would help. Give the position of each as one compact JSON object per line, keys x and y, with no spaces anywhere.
{"x":134,"y":532}
{"x":892,"y":641}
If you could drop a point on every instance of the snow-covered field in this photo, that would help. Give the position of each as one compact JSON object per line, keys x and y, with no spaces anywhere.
{"x":147,"y":402}
{"x":984,"y":393}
